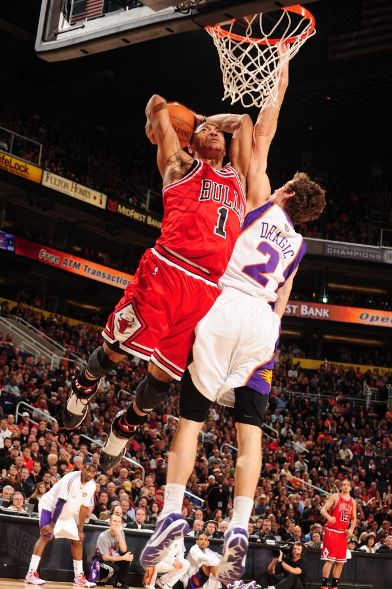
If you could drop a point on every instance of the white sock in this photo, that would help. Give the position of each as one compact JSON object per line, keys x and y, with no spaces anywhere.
{"x":114,"y":445}
{"x":174,"y":496}
{"x":241,"y":513}
{"x":34,"y":562}
{"x":78,"y":567}
{"x":75,"y":405}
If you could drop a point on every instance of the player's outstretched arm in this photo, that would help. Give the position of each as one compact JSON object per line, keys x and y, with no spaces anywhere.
{"x":259,"y":189}
{"x":159,"y":130}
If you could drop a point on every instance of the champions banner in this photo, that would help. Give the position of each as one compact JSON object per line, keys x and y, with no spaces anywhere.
{"x":71,"y":263}
{"x":339,"y":313}
{"x":20,"y":168}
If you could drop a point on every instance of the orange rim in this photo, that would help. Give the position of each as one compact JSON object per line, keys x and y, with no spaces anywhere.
{"x":296,"y":9}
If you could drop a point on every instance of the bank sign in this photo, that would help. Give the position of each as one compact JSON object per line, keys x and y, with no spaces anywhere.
{"x":339,"y":313}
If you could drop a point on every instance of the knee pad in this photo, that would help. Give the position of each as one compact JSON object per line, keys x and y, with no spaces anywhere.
{"x":150,"y":393}
{"x":193,"y":405}
{"x":99,"y":363}
{"x":249,"y":406}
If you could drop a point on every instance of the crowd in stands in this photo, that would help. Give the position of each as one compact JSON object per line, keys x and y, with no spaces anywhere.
{"x":318,"y":430}
{"x":113,"y":163}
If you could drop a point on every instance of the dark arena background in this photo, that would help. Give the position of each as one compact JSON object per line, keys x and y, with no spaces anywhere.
{"x":80,"y":201}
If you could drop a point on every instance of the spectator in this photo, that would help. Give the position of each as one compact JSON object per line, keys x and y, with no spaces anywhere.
{"x":369,"y":542}
{"x":115,"y":558}
{"x":315,"y":540}
{"x":140,"y":519}
{"x":386,"y":548}
{"x":352,"y":543}
{"x":197,"y":527}
{"x":210,"y":529}
{"x":38,"y":492}
{"x":6,"y":495}
{"x":174,"y":568}
{"x":17,"y":504}
{"x":203,"y":562}
{"x":286,"y":572}
{"x":5,"y":432}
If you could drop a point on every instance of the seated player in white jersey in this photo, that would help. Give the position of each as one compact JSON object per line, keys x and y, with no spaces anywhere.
{"x":235,"y":342}
{"x":71,"y":497}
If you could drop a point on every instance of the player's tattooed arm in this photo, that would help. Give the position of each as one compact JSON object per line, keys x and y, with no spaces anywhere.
{"x":160,"y":131}
{"x":177,"y":165}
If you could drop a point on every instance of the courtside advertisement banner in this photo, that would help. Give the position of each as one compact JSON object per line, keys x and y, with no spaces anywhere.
{"x":70,"y":263}
{"x":339,"y":313}
{"x":135,"y":214}
{"x":74,"y":190}
{"x":20,"y":168}
{"x":362,"y":368}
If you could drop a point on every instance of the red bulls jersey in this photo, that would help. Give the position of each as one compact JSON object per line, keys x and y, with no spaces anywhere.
{"x":342,"y":512}
{"x":203,"y":213}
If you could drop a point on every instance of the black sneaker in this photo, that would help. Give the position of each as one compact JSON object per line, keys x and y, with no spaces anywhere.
{"x":83,"y":396}
{"x":123,"y":431}
{"x":107,"y":461}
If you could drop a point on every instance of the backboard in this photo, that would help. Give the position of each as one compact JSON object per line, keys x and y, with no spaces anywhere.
{"x":69,"y":29}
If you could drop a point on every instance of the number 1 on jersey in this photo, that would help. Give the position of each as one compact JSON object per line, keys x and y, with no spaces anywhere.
{"x":221,"y":223}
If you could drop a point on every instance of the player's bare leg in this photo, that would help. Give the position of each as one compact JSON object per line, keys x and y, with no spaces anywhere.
{"x":32,"y":576}
{"x":149,"y":394}
{"x":325,"y":573}
{"x":170,"y":524}
{"x":182,"y":452}
{"x":77,"y":555}
{"x":336,"y":573}
{"x":86,"y":382}
{"x":247,"y":473}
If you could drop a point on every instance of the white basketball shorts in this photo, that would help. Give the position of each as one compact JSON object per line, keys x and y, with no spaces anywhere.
{"x":235,"y":346}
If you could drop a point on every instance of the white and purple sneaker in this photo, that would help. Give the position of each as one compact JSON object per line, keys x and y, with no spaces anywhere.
{"x":236,"y":585}
{"x":232,"y":565}
{"x":169,"y":528}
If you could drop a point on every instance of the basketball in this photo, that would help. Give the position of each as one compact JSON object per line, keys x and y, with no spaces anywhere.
{"x":183,"y":122}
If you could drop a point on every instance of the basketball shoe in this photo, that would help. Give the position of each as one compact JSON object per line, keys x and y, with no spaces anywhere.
{"x":171,"y":527}
{"x":232,"y":564}
{"x":123,"y":431}
{"x":79,"y":397}
{"x":148,"y":577}
{"x":32,"y":577}
{"x":236,"y":585}
{"x":81,"y":581}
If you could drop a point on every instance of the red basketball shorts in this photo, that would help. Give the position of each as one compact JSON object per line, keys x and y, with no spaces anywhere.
{"x":334,"y":546}
{"x":156,"y":318}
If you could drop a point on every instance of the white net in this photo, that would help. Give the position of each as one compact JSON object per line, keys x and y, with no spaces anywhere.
{"x":250,"y":61}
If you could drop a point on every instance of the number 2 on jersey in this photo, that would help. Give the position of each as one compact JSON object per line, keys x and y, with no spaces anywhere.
{"x":258,"y":271}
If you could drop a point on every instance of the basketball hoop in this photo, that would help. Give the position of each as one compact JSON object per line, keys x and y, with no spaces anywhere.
{"x":248,"y":52}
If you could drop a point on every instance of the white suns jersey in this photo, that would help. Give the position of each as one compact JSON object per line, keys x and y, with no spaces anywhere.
{"x":71,"y":489}
{"x":266,"y":253}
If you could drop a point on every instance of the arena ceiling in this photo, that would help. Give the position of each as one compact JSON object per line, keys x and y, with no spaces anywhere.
{"x":335,"y":106}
